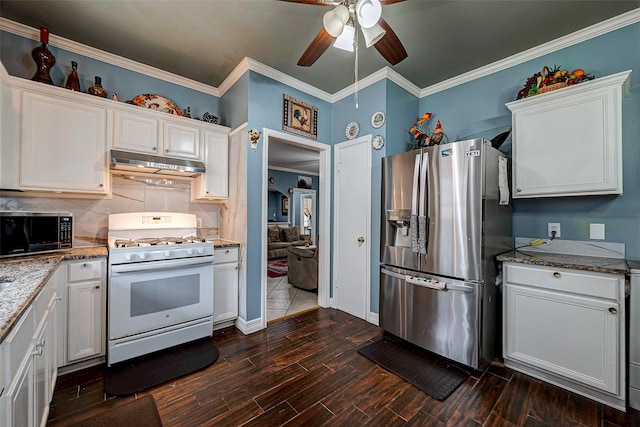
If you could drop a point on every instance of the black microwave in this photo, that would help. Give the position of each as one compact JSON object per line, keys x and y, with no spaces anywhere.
{"x":26,"y":233}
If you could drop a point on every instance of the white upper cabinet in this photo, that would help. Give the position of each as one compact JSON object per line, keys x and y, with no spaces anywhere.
{"x":141,"y":131}
{"x":214,"y":184}
{"x":63,"y":145}
{"x":569,"y":142}
{"x":135,"y":133}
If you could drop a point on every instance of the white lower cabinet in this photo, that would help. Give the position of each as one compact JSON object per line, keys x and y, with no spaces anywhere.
{"x":225,"y":287}
{"x":566,"y":327}
{"x":85,"y":309}
{"x":28,"y":372}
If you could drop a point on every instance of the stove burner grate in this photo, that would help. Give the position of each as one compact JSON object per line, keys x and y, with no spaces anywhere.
{"x":154,"y":241}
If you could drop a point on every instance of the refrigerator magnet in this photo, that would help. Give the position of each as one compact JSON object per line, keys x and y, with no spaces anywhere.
{"x":377,"y":142}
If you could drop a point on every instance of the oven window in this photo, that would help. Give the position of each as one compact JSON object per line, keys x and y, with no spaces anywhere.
{"x":158,"y":295}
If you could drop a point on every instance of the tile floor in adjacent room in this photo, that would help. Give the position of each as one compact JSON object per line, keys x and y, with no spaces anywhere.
{"x":284,"y":299}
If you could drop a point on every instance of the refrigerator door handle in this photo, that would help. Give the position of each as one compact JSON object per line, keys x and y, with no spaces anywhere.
{"x":413,"y":220}
{"x":423,"y":232}
{"x":392,"y":274}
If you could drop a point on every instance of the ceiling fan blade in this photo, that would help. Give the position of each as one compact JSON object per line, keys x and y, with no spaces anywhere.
{"x":317,"y":47}
{"x":390,"y":46}
{"x":316,"y":2}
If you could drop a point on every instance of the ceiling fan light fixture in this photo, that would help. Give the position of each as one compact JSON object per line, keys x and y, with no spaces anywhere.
{"x":373,"y":35}
{"x":368,"y":12}
{"x":335,"y":20}
{"x":345,"y":40}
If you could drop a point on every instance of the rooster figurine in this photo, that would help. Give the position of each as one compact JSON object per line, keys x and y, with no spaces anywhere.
{"x":437,"y":135}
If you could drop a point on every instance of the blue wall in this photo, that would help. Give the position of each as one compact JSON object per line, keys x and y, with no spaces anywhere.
{"x":285,"y":181}
{"x":479,"y":105}
{"x":15,"y":53}
{"x":265,"y":111}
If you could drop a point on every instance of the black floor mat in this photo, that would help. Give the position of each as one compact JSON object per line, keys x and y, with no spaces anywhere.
{"x":430,"y":373}
{"x":132,"y":376}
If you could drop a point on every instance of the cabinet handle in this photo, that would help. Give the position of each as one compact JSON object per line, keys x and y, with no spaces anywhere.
{"x":38,"y":351}
{"x":227,"y":251}
{"x":97,"y":286}
{"x":235,"y":268}
{"x":613,"y":310}
{"x":518,"y":190}
{"x":85,"y":265}
{"x":557,"y":275}
{"x":154,"y":148}
{"x":59,"y":298}
{"x":166,"y":151}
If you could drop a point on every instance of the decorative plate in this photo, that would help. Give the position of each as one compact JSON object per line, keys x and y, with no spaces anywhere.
{"x":353,"y":129}
{"x":377,"y":142}
{"x":377,"y":120}
{"x":157,"y":102}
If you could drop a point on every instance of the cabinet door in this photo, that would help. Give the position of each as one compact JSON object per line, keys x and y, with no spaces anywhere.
{"x":569,"y":335}
{"x":569,"y":142}
{"x":42,"y":371}
{"x":64,"y":146}
{"x":84,"y":328}
{"x":213,"y":184}
{"x":17,"y":400}
{"x":225,"y":292}
{"x":181,"y":141}
{"x":135,"y":133}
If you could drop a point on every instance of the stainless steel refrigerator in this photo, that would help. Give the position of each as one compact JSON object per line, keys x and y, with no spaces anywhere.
{"x":446,"y":214}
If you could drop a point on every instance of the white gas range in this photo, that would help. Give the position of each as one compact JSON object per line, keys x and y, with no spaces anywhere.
{"x":160,"y":291}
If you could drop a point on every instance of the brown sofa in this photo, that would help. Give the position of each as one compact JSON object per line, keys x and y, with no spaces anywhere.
{"x":302,"y":265}
{"x":280,"y":238}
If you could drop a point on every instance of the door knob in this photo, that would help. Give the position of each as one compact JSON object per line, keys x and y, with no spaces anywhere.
{"x":361,"y":239}
{"x":613,"y":310}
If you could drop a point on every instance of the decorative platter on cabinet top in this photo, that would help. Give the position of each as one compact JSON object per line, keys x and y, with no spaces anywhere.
{"x":157,"y":102}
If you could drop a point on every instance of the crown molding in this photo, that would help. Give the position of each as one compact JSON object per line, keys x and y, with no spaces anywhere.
{"x":109,"y":58}
{"x":579,"y":36}
{"x":247,"y":64}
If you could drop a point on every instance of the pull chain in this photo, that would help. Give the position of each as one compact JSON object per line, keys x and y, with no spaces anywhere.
{"x":355,"y":42}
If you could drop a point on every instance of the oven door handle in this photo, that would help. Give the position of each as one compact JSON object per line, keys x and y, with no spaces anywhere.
{"x":161,"y":265}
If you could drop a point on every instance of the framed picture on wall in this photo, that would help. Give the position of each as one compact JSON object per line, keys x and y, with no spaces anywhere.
{"x":299,"y":117}
{"x":285,"y":205}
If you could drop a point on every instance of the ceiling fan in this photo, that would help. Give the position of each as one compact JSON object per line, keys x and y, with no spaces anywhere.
{"x":340,"y":24}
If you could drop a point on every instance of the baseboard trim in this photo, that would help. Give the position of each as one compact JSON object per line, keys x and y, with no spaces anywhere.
{"x":249,"y":327}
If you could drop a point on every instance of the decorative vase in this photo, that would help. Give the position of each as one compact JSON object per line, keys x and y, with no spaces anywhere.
{"x":97,"y":89}
{"x":44,"y":59}
{"x":73,"y":82}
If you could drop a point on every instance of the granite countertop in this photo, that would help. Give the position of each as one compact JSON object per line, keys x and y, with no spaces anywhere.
{"x":577,"y":262}
{"x":222,"y":243}
{"x":27,"y":275}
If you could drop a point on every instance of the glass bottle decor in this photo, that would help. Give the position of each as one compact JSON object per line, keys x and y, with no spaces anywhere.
{"x":97,"y":89}
{"x":73,"y":82}
{"x":44,"y":59}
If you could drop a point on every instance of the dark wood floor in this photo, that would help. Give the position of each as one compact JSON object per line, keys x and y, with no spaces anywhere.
{"x":306,"y":371}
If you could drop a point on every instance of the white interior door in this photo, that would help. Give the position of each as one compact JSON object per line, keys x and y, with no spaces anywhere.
{"x":352,"y":226}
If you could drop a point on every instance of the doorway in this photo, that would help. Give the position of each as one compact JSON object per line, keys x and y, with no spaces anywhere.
{"x":319,"y":222}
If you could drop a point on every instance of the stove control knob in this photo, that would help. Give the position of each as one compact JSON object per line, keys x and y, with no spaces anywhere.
{"x":143,"y":255}
{"x":200,"y":251}
{"x":127,"y":257}
{"x":190,"y":251}
{"x":167,"y":253}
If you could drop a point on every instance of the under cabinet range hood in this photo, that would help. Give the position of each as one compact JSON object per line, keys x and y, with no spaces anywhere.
{"x":147,"y":163}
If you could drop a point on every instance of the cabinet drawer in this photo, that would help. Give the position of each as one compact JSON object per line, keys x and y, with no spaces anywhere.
{"x":587,"y":283}
{"x":87,"y":270}
{"x":16,"y":344}
{"x":223,"y":255}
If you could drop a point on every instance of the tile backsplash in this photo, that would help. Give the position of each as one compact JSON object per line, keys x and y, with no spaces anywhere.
{"x":130,"y":194}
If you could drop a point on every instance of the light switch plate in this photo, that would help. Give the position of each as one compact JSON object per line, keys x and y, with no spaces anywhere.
{"x":596,"y":231}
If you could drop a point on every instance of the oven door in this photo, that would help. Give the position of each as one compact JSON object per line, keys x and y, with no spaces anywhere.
{"x":152,"y":295}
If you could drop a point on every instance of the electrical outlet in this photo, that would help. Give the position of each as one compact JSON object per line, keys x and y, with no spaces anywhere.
{"x":553,"y":226}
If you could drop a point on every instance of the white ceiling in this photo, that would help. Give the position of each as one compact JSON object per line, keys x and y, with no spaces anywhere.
{"x":205,"y":40}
